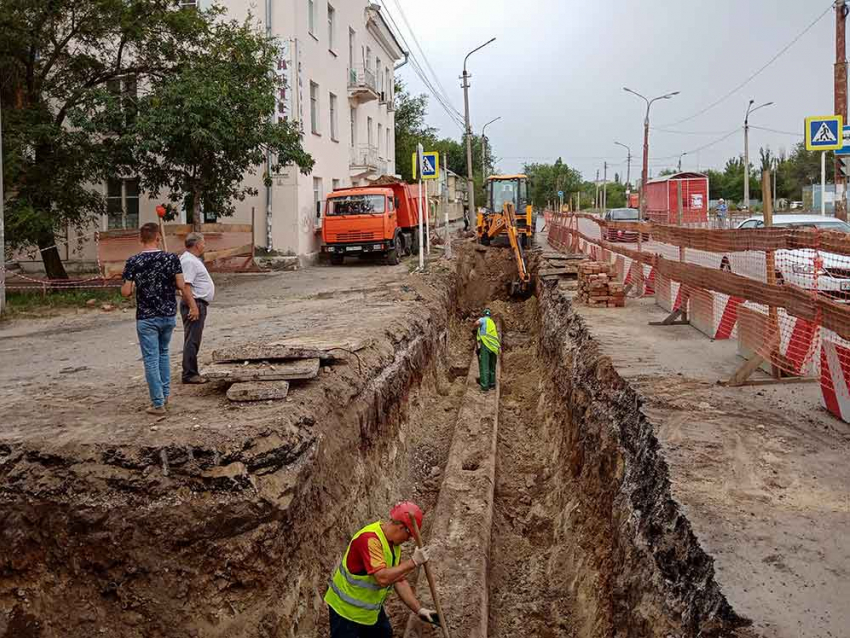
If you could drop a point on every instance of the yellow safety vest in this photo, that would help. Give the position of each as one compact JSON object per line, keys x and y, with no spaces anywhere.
{"x":360,"y":598}
{"x":489,"y":336}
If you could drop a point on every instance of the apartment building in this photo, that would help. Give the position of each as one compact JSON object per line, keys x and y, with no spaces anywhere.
{"x":337,"y":64}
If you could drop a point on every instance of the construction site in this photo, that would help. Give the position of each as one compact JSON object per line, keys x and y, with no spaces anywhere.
{"x":608,"y":487}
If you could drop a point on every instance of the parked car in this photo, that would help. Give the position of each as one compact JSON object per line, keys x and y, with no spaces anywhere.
{"x":831,"y":276}
{"x":623,"y":215}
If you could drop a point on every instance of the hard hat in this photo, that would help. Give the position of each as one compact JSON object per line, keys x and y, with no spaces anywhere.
{"x":487,"y":313}
{"x":722,"y":201}
{"x":400,"y":511}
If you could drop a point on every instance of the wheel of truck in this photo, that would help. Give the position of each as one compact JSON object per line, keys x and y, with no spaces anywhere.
{"x":337,"y":260}
{"x":393,"y":255}
{"x":414,"y":242}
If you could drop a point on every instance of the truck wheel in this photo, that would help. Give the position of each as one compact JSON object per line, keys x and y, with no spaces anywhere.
{"x":393,"y":254}
{"x":337,"y":260}
{"x":414,"y":243}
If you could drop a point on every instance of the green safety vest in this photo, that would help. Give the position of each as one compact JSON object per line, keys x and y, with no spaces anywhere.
{"x":489,"y":336}
{"x":360,"y":598}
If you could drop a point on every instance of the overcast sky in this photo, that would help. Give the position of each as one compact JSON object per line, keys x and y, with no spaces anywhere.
{"x":558,"y":67}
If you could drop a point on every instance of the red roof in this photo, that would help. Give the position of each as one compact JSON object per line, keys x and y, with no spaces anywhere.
{"x":682,"y":175}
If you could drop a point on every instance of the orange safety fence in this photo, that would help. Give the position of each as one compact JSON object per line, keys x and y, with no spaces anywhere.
{"x":229,"y":247}
{"x":783,"y":292}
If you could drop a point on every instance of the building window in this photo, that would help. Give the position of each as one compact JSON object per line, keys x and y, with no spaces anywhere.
{"x":353,"y":120}
{"x":311,"y":17}
{"x":122,"y":204}
{"x":378,"y":73}
{"x":317,"y":193}
{"x":335,"y":184}
{"x":332,"y":108}
{"x":331,"y":28}
{"x":388,"y":87}
{"x":350,"y":49}
{"x":389,"y":156}
{"x":369,"y":138}
{"x":368,"y":59}
{"x":314,"y":107}
{"x":380,"y":137}
{"x":124,"y":89}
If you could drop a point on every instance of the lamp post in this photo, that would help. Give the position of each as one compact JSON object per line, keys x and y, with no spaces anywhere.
{"x":750,"y":111}
{"x":680,"y":161}
{"x":484,"y":149}
{"x":649,"y":103}
{"x":470,"y":181}
{"x":628,"y":167}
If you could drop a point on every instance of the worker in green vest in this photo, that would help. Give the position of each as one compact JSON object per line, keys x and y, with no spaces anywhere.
{"x":369,"y":568}
{"x":488,"y":346}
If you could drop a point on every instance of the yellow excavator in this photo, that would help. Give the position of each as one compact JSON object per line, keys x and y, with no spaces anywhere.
{"x":505,"y":195}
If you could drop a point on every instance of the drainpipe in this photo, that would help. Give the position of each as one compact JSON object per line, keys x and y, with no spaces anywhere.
{"x":269,"y":242}
{"x":398,"y":66}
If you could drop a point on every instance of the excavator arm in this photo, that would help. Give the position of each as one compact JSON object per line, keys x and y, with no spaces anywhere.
{"x":508,"y":218}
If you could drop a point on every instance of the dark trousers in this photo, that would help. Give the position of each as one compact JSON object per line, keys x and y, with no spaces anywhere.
{"x":192,"y":333}
{"x":344,"y":628}
{"x":486,"y":368}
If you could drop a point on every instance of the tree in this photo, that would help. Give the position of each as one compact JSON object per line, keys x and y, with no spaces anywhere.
{"x":201,"y":129}
{"x":410,"y":127}
{"x":548,"y":179}
{"x":64,"y":64}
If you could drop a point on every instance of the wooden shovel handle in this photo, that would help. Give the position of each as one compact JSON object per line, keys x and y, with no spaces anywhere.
{"x":431,"y":584}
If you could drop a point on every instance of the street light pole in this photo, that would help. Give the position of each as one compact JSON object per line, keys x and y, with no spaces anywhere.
{"x":470,"y":180}
{"x":484,"y":149}
{"x":628,"y":167}
{"x":649,"y":103}
{"x":750,"y":111}
{"x":680,"y":161}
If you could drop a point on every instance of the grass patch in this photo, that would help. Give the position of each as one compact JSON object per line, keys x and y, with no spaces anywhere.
{"x":35,"y":303}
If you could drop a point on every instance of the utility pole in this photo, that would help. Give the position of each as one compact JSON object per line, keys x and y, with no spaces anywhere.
{"x":750,"y":111}
{"x":644,"y":176}
{"x":470,"y":180}
{"x":596,"y":201}
{"x":605,"y":188}
{"x":840,"y":100}
{"x":628,"y":168}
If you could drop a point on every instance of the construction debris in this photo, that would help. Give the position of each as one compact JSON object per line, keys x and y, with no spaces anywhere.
{"x":597,"y":285}
{"x":319,"y":347}
{"x":298,"y":369}
{"x":258,"y":391}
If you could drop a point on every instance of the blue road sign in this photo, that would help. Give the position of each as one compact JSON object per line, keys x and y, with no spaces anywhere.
{"x":824,"y":133}
{"x":560,"y":193}
{"x":845,"y":150}
{"x":430,"y":165}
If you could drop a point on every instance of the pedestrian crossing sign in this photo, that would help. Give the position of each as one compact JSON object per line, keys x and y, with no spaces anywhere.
{"x":824,"y":133}
{"x":430,"y":165}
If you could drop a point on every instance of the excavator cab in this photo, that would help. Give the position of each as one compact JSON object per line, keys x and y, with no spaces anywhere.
{"x":501,"y":190}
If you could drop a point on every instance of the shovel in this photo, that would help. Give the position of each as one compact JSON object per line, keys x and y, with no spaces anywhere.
{"x":431,"y":584}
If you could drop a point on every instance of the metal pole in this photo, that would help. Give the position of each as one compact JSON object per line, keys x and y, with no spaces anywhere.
{"x":605,"y":188}
{"x":840,"y":100}
{"x":2,"y":226}
{"x":596,"y":201}
{"x":645,"y":164}
{"x":484,"y":148}
{"x":421,"y":208}
{"x":445,"y":200}
{"x":470,"y":180}
{"x":747,"y":160}
{"x":823,"y":183}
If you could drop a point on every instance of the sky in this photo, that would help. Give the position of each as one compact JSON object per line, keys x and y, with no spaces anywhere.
{"x":556,"y":72}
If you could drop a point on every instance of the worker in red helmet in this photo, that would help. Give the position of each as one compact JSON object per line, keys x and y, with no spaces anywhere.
{"x":369,"y":568}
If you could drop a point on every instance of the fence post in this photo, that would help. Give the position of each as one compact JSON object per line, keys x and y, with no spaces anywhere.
{"x":770,"y":267}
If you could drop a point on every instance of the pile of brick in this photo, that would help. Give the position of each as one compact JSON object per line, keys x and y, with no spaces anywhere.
{"x":597,"y":285}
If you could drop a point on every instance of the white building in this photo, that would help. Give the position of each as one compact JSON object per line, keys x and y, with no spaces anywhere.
{"x":338,"y":62}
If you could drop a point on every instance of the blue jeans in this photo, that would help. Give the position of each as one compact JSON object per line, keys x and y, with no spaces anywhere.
{"x":154,"y":339}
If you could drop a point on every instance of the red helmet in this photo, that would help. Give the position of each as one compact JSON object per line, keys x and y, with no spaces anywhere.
{"x":400,"y":513}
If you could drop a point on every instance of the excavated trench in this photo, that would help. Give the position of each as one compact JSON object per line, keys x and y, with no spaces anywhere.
{"x":586,"y":540}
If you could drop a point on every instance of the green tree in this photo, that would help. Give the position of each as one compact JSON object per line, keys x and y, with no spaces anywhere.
{"x":548,"y":179}
{"x":63,"y":64}
{"x":201,"y":129}
{"x":410,"y":128}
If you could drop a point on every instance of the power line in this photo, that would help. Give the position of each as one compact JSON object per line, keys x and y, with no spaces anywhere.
{"x":666,"y":130}
{"x":757,"y":73}
{"x":773,"y":130}
{"x":701,"y":148}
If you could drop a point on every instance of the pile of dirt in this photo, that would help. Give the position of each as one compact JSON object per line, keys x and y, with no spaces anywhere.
{"x":485,"y":275}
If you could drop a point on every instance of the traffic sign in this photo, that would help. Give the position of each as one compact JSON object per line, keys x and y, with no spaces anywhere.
{"x":845,"y":165}
{"x":560,"y":193}
{"x":845,"y":150}
{"x":824,"y":133}
{"x":430,"y":165}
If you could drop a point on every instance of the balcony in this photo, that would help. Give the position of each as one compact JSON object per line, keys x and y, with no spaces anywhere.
{"x":362,"y":85}
{"x":364,"y":160}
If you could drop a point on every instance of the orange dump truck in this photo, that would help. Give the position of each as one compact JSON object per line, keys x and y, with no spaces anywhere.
{"x":381,"y":219}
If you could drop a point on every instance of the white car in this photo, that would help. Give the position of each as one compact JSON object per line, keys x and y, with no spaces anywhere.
{"x":831,"y":276}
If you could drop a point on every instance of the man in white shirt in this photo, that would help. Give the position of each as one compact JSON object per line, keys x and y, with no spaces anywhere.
{"x":197,"y":296}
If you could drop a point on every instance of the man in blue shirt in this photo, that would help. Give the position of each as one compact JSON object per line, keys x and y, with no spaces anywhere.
{"x":721,"y":213}
{"x":156,"y":276}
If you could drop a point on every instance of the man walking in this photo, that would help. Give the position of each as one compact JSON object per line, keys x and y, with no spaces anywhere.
{"x":487,"y":338}
{"x":197,"y":295}
{"x":369,"y":567}
{"x":155,"y":276}
{"x":721,"y":213}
